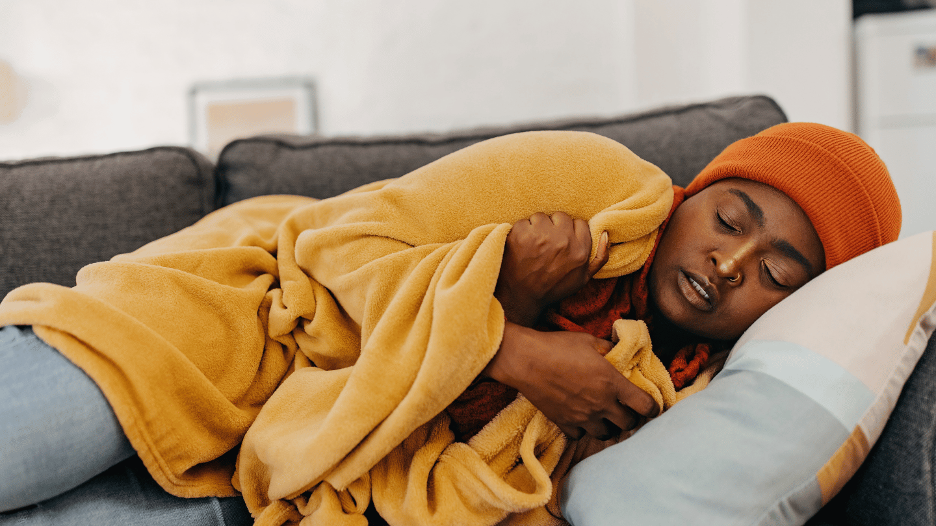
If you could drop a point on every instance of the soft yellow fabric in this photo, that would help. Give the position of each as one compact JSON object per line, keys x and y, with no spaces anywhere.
{"x":388,"y":290}
{"x":513,"y":467}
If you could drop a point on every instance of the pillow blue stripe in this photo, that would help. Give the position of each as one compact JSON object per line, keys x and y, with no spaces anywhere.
{"x":801,"y":502}
{"x":826,"y":382}
{"x":741,"y":452}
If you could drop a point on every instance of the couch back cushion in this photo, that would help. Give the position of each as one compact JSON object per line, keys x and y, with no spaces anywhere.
{"x":60,"y":214}
{"x":681,"y":140}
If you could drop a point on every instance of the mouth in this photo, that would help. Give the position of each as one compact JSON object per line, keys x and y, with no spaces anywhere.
{"x":697,"y":291}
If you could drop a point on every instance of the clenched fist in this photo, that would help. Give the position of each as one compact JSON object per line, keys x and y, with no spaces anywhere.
{"x":546,"y":259}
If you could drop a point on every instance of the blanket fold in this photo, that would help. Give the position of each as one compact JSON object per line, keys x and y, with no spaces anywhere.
{"x":334,"y":330}
{"x":507,"y":474}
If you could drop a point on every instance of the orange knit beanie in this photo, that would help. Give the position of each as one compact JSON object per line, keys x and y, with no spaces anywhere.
{"x":834,"y":176}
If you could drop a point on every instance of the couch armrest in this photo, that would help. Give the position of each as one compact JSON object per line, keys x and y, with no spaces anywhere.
{"x":60,"y":214}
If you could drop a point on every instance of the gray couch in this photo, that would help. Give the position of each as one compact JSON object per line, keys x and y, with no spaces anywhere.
{"x":59,"y":214}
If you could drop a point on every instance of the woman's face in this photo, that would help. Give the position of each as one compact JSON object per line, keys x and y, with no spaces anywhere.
{"x":728,"y":254}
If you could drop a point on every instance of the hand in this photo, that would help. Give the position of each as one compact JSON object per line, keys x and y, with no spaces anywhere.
{"x":545,"y":260}
{"x":565,"y":375}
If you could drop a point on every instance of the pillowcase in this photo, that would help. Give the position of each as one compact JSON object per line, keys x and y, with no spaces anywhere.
{"x":895,"y":485}
{"x":802,"y":398}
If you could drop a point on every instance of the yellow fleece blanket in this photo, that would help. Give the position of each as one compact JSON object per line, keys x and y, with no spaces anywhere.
{"x":387,"y":290}
{"x":509,"y":473}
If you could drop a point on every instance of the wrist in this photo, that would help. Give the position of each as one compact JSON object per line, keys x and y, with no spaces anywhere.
{"x":513,"y":356}
{"x":518,"y":308}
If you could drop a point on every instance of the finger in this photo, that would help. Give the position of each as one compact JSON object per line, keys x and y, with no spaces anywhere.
{"x":621,"y":417}
{"x":613,"y":430}
{"x":561,"y":218}
{"x":583,"y":239}
{"x":523,"y":223}
{"x":574,"y":433}
{"x":601,"y":255}
{"x":635,"y":398}
{"x":519,"y":230}
{"x":603,"y":346}
{"x":539,"y":218}
{"x":569,"y":228}
{"x":598,"y":429}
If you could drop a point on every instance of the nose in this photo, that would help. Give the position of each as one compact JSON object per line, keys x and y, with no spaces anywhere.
{"x":729,"y":261}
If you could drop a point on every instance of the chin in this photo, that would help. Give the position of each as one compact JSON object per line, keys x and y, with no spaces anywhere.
{"x":713,"y":335}
{"x":684,"y":318}
{"x":691,"y":326}
{"x":675,"y":316}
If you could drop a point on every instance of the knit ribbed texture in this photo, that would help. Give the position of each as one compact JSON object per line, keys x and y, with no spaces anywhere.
{"x":834,"y":176}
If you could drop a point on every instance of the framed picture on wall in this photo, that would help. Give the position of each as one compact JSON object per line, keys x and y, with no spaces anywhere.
{"x":223,"y":111}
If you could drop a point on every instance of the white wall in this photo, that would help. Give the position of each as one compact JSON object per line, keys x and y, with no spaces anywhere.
{"x":690,"y":49}
{"x":107,"y":75}
{"x":796,"y":51}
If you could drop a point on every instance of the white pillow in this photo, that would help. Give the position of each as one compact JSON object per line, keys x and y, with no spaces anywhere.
{"x":801,"y":400}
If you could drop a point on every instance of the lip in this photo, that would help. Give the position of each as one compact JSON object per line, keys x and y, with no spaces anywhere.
{"x":685,"y":280}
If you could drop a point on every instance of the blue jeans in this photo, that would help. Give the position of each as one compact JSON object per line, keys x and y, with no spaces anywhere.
{"x":63,"y":456}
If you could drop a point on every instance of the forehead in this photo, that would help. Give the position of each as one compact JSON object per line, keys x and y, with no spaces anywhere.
{"x":766,"y":197}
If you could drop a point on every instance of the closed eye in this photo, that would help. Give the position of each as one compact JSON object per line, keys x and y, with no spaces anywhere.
{"x":772,"y":277}
{"x":726,"y":223}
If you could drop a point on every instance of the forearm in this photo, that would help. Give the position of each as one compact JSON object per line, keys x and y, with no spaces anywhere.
{"x":565,"y":375}
{"x":513,"y":357}
{"x":519,"y":309}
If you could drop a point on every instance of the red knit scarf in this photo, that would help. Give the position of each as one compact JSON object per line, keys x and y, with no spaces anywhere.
{"x":593,"y":309}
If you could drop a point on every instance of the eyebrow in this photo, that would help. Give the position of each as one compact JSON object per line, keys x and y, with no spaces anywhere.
{"x":752,"y":207}
{"x":783,"y":246}
{"x":790,"y":251}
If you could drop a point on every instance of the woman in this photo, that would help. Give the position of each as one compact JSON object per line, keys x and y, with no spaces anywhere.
{"x":384,"y":277}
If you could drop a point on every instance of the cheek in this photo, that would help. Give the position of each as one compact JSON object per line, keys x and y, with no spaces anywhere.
{"x":771,"y":298}
{"x":754,"y":305}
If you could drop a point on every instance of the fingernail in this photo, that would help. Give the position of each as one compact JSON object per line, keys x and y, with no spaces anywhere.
{"x":604,"y":237}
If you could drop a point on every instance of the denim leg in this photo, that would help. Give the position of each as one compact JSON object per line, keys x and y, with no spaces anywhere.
{"x":56,"y":428}
{"x":126,"y":495}
{"x":64,"y":459}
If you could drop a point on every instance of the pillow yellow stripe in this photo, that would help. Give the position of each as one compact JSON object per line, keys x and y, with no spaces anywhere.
{"x":843,"y":464}
{"x":929,"y":295}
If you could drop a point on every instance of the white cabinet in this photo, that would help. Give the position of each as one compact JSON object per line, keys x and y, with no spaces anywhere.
{"x":896,"y":93}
